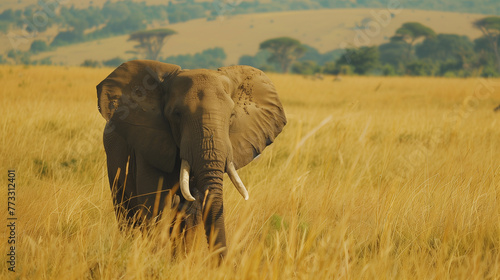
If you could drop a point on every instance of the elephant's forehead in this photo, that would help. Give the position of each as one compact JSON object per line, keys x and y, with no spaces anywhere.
{"x":199,"y":79}
{"x":199,"y":84}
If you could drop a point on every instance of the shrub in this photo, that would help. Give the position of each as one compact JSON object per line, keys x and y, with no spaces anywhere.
{"x":90,"y":63}
{"x":114,"y":62}
{"x":39,"y":46}
{"x":330,"y":68}
{"x":421,"y":68}
{"x":67,"y":37}
{"x":305,"y":67}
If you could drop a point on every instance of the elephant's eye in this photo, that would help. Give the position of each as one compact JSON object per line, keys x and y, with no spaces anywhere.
{"x":231,"y":119}
{"x":177,"y":114}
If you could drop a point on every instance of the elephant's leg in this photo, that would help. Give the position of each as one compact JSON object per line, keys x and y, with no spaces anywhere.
{"x":121,"y":175}
{"x":155,"y":189}
{"x":150,"y":188}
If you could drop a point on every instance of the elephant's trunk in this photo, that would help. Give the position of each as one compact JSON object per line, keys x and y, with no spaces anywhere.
{"x":210,"y":173}
{"x":213,"y":218}
{"x":206,"y":159}
{"x":209,"y":181}
{"x":208,"y":152}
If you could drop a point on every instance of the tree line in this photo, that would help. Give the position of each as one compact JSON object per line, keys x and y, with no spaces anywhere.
{"x":415,"y":49}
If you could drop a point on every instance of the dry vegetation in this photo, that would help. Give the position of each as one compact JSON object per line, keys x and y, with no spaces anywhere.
{"x":402,"y":182}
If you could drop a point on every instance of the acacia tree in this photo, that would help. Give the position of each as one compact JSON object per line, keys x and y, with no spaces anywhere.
{"x":410,"y":32}
{"x":150,"y":42}
{"x":453,"y":52}
{"x":490,"y":26}
{"x":284,"y":51}
{"x":362,"y":59}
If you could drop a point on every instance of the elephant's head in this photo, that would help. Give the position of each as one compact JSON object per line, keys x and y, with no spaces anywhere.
{"x":208,"y":122}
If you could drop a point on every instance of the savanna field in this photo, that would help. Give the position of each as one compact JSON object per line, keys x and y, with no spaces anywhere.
{"x":372,"y":178}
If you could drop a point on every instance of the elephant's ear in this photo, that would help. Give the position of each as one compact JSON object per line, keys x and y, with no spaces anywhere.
{"x":258,"y":116}
{"x":131,"y":99}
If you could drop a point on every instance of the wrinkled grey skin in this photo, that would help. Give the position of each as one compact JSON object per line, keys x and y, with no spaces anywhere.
{"x":158,"y":114}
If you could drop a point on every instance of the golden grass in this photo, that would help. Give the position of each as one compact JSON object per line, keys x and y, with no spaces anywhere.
{"x":402,"y":182}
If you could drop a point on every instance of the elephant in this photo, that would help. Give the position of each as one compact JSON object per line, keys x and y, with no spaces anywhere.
{"x":171,"y":131}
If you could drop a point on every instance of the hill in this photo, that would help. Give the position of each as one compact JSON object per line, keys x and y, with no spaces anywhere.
{"x":252,"y":6}
{"x":84,"y":4}
{"x":238,"y":35}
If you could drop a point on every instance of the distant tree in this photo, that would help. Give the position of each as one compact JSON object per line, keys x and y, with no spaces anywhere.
{"x":113,"y":62}
{"x":410,"y":32}
{"x":485,"y":58}
{"x":482,"y":44}
{"x":19,"y":57}
{"x":446,"y":47}
{"x":90,"y":63}
{"x":43,"y":61}
{"x":312,"y":54}
{"x":117,"y":10}
{"x":8,"y":14}
{"x":184,"y":11}
{"x":150,"y":42}
{"x":268,"y":68}
{"x":260,"y":59}
{"x":330,"y":56}
{"x":284,"y":51}
{"x":257,"y":61}
{"x":454,"y":52}
{"x":209,"y":58}
{"x":125,"y":25}
{"x":388,"y":70}
{"x":362,"y":60}
{"x":39,"y":46}
{"x":394,"y":53}
{"x":307,"y":67}
{"x":421,"y":68}
{"x":68,"y":37}
{"x":490,"y":26}
{"x":330,"y":68}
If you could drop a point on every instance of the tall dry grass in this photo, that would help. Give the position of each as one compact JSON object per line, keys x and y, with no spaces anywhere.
{"x":393,"y":178}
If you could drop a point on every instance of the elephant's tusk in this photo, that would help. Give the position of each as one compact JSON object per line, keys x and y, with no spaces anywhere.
{"x":235,"y":178}
{"x":184,"y":181}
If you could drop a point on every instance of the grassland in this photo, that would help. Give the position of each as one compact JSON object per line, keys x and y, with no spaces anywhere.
{"x":400,"y":182}
{"x":325,"y":30}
